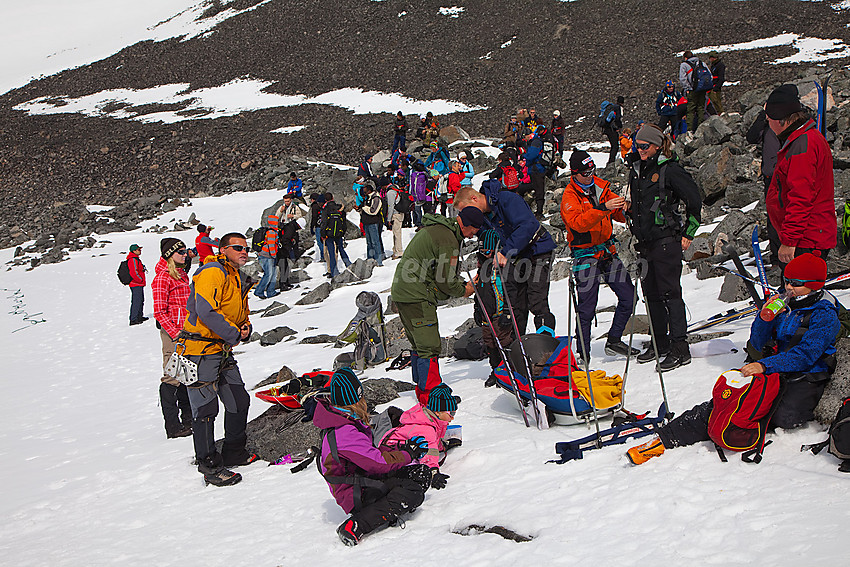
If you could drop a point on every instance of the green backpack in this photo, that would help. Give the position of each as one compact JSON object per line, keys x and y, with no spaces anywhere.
{"x":845,"y":225}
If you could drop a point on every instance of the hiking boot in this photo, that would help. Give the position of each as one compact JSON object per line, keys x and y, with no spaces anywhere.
{"x":680,"y":355}
{"x":613,"y":349}
{"x":491,"y":380}
{"x":649,"y":354}
{"x":349,"y":532}
{"x":639,"y":454}
{"x":239,"y":460}
{"x":180,"y":431}
{"x":216,"y":474}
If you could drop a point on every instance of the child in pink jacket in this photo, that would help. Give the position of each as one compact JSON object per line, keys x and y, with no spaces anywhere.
{"x":430,"y":422}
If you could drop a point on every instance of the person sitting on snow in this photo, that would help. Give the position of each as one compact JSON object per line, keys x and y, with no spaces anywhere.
{"x":803,"y":353}
{"x":430,"y":422}
{"x":352,"y":466}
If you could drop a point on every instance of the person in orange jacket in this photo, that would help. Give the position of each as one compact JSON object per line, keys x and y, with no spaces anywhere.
{"x":625,"y":142}
{"x":588,"y":208}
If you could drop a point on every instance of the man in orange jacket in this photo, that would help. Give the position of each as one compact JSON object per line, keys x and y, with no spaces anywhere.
{"x":588,"y":207}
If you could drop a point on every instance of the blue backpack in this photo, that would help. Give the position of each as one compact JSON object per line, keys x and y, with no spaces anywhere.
{"x":606,"y":114}
{"x":701,"y":77}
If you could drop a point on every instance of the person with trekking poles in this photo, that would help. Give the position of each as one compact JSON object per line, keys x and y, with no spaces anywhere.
{"x":588,"y":208}
{"x":657,"y":187}
{"x":426,"y":274}
{"x":792,"y":345}
{"x":526,"y":252}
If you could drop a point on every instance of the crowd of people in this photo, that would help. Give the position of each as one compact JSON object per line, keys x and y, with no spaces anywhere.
{"x":377,"y":481}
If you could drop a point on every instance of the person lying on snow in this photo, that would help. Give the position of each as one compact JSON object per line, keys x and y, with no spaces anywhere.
{"x":352,"y":466}
{"x":804,"y":360}
{"x":431,"y":423}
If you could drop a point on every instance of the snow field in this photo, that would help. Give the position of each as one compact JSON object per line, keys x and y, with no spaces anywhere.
{"x":87,"y":462}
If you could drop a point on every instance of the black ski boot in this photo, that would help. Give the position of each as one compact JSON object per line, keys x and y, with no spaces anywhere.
{"x":349,"y":532}
{"x":621,"y":348}
{"x":215,"y":474}
{"x":649,"y":354}
{"x":680,"y":355}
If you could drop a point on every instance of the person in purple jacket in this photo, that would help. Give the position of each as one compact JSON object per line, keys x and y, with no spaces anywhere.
{"x":351,"y":464}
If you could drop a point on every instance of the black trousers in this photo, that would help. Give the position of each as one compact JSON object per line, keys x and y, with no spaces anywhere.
{"x":527,"y":283}
{"x":539,"y":186}
{"x":689,"y":428}
{"x":662,"y":287}
{"x":380,"y":507}
{"x":614,"y":140}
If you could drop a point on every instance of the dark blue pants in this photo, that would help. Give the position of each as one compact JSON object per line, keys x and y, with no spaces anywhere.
{"x":333,"y":245}
{"x":614,"y":273}
{"x":399,"y":141}
{"x":137,"y":302}
{"x":374,"y":246}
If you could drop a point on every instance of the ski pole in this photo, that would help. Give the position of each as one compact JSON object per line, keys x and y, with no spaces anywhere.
{"x":655,"y":348}
{"x":570,"y":347}
{"x":514,"y":384}
{"x":631,"y":338}
{"x":585,"y":351}
{"x":531,"y":388}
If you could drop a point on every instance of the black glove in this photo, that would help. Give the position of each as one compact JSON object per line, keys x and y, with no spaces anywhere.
{"x":438,"y":481}
{"x":452,"y":443}
{"x":416,"y":447}
{"x":420,"y":474}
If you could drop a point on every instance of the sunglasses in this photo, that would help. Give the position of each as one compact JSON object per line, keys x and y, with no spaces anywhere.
{"x":588,"y":173}
{"x":452,"y":413}
{"x":182,"y":251}
{"x":798,"y":283}
{"x":237,"y":247}
{"x":643,"y":146}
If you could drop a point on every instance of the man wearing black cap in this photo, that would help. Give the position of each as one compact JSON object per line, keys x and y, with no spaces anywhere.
{"x":588,"y":208}
{"x":612,"y":127}
{"x":801,"y":193}
{"x":426,"y":274}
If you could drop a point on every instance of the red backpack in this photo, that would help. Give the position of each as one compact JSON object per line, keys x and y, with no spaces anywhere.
{"x":743,"y":406}
{"x":510,"y":178}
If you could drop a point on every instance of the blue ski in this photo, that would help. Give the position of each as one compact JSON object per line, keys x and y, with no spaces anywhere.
{"x":821,"y":109}
{"x":760,"y":263}
{"x":617,"y":435}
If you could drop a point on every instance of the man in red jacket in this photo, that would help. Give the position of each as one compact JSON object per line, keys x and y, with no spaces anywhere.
{"x":137,"y":284}
{"x":800,"y":199}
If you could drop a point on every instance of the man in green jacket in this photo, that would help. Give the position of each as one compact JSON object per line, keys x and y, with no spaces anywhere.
{"x":427,"y":273}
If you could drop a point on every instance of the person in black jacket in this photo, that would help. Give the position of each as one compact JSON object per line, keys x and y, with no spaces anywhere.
{"x":760,"y":133}
{"x":657,"y":185}
{"x":718,"y":72}
{"x":287,"y":251}
{"x":372,"y":219}
{"x":399,"y":133}
{"x":558,"y":129}
{"x":317,"y":201}
{"x":612,"y":127}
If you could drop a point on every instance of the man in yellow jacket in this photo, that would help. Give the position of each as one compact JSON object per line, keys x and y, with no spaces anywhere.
{"x":217,"y":321}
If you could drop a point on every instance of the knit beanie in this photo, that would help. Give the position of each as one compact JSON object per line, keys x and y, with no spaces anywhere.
{"x":783,"y":102}
{"x":168,"y":246}
{"x":488,"y":241}
{"x":346,"y":389}
{"x":472,"y":216}
{"x":650,"y":133}
{"x":441,"y":399}
{"x":808,"y":267}
{"x":580,"y":161}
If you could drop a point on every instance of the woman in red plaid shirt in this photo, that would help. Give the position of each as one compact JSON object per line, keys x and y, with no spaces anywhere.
{"x":170,"y":292}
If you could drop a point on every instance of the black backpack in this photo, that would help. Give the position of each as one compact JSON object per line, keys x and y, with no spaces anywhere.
{"x":259,"y":239}
{"x":336,"y":224}
{"x":124,"y":273}
{"x":404,"y":203}
{"x":838,"y":442}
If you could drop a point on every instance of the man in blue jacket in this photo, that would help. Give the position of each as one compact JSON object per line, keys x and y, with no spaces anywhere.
{"x":536,"y":167}
{"x":526,"y":254}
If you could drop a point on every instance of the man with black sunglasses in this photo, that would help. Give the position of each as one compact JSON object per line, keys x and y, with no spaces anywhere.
{"x":217,"y":321}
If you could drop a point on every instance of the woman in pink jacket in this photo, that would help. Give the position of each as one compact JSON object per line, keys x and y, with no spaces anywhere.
{"x":430,"y":422}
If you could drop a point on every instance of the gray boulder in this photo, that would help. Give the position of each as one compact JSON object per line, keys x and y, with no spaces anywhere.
{"x":275,"y":335}
{"x":317,"y":295}
{"x":732,"y":290}
{"x":276,"y":308}
{"x":838,"y":388}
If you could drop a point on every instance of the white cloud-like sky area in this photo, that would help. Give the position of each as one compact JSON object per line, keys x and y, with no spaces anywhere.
{"x":809,"y":49}
{"x":239,"y":95}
